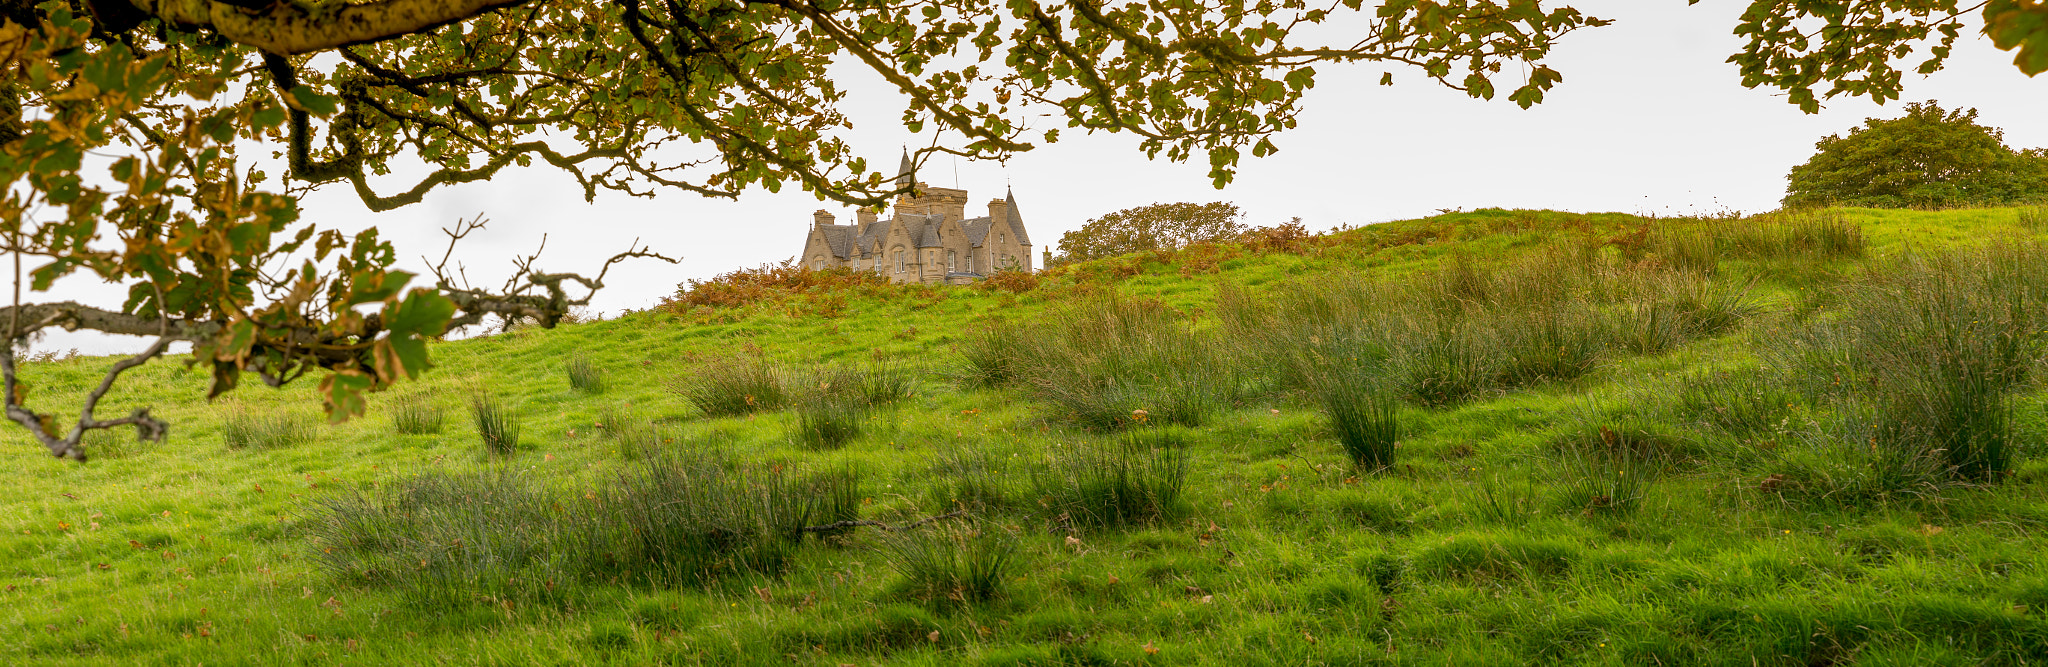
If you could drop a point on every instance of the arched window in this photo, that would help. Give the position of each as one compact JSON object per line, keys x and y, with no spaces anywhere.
{"x":1002,"y":238}
{"x":899,"y":261}
{"x":949,"y":260}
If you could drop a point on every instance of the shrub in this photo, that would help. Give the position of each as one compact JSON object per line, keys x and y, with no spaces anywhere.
{"x":585,"y":375}
{"x":768,"y":282}
{"x":951,"y":564}
{"x":265,"y":429}
{"x":1929,"y":158}
{"x":734,"y":387}
{"x":1113,"y":486}
{"x":1154,"y":227}
{"x":496,"y":425}
{"x":416,"y":414}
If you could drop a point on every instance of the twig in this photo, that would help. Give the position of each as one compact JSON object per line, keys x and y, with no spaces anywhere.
{"x":885,"y":527}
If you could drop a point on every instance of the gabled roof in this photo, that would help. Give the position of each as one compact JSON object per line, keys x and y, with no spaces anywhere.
{"x":976,"y":229}
{"x":1015,"y":217}
{"x":839,"y":239}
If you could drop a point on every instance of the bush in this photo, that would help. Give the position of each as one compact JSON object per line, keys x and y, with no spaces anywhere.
{"x":1154,"y":227}
{"x":1929,"y":158}
{"x":496,"y":425}
{"x":734,"y":387}
{"x":584,"y":375}
{"x":265,"y":429}
{"x":416,"y":414}
{"x":1113,"y":486}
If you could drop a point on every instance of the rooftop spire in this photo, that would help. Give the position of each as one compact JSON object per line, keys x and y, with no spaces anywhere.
{"x":903,"y":177}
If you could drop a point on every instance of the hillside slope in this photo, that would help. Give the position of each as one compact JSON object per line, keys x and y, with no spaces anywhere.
{"x":1498,"y":437}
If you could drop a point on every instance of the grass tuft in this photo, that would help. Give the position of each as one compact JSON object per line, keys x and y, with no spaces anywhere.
{"x":248,"y":428}
{"x":735,"y":387}
{"x":1113,"y":486}
{"x":415,"y":413}
{"x":951,"y":564}
{"x":497,"y":426}
{"x":585,"y":375}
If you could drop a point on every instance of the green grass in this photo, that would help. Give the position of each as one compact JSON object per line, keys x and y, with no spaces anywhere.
{"x":1829,"y":451}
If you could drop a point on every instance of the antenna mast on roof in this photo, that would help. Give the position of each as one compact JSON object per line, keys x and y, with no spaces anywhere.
{"x":956,"y":172}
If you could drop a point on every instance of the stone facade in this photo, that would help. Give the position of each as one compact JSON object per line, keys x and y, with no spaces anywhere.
{"x":928,"y":238}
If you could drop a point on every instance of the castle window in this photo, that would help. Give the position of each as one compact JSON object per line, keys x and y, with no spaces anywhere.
{"x":970,"y":261}
{"x":899,"y":261}
{"x":949,"y":260}
{"x":1002,"y":238}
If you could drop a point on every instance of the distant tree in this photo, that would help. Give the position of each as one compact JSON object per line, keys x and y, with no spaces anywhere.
{"x":1929,"y":158}
{"x":1154,"y":227}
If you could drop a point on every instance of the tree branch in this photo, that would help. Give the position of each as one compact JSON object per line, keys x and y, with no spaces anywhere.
{"x":291,"y":28}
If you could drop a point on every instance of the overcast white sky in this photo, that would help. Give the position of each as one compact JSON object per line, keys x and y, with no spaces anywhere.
{"x":1648,"y":119}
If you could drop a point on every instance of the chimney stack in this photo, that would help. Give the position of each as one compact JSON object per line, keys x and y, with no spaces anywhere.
{"x":865,"y":217}
{"x":998,"y":212}
{"x":822,"y":218}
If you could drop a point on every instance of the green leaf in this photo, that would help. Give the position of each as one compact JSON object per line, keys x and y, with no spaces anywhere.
{"x":313,"y":102}
{"x":374,"y":285}
{"x":424,"y":312}
{"x":342,"y":393}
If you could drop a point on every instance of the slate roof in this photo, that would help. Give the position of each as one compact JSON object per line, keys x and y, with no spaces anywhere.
{"x":977,"y":230}
{"x":1016,"y":218}
{"x":839,"y":239}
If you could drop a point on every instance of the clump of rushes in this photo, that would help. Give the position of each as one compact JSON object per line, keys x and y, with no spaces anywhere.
{"x":1364,"y":418}
{"x":416,"y":414}
{"x":827,"y":422}
{"x":496,"y":424}
{"x":951,"y":564}
{"x":692,"y":520}
{"x":266,"y":429}
{"x":1113,"y":486}
{"x":447,"y":540}
{"x":733,"y":387}
{"x":585,"y":375}
{"x":973,"y":480}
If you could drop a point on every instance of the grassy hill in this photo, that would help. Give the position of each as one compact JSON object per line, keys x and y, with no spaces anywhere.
{"x":1499,"y":437}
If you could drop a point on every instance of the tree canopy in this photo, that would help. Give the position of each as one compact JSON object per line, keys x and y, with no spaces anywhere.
{"x":135,"y":134}
{"x":1928,"y":158}
{"x":1154,"y":227}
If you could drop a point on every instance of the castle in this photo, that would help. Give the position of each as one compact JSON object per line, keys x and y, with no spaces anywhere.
{"x":928,"y":238}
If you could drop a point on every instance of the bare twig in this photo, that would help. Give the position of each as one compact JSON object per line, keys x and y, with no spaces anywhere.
{"x":885,"y":527}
